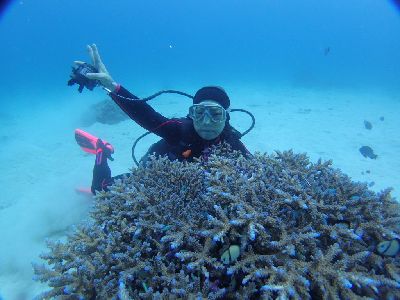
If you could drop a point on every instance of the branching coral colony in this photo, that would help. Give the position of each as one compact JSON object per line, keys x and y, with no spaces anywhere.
{"x":274,"y":226}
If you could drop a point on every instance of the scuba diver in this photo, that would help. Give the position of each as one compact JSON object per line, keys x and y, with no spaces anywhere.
{"x":183,"y":139}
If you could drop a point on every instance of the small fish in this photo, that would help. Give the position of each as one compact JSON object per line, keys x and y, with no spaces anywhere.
{"x":382,"y":118}
{"x":372,"y":183}
{"x":389,"y":248}
{"x":231,"y":254}
{"x":327,"y":50}
{"x":367,"y":124}
{"x":367,"y":151}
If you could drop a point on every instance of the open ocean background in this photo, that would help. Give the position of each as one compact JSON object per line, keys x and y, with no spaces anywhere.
{"x":311,"y":71}
{"x":181,"y":43}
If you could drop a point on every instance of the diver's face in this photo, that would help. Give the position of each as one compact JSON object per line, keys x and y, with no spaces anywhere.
{"x":208,"y":119}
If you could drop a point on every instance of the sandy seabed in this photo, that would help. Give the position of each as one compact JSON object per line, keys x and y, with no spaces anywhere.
{"x":42,"y":165}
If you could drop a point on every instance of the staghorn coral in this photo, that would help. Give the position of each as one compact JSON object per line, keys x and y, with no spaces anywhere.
{"x":305,"y":231}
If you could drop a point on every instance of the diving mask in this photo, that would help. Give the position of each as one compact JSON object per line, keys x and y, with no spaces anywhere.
{"x":215,"y":112}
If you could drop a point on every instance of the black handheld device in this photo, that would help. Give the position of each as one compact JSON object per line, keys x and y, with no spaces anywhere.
{"x":78,"y":77}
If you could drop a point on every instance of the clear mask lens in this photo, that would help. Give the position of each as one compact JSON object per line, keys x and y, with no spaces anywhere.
{"x":216,"y":113}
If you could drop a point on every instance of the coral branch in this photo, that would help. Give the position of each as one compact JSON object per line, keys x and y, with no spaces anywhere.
{"x":270,"y":227}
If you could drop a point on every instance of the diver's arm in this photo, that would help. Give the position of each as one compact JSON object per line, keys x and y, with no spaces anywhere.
{"x":139,"y":111}
{"x":145,"y":115}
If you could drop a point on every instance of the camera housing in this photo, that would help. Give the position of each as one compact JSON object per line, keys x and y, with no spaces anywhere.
{"x":78,"y":76}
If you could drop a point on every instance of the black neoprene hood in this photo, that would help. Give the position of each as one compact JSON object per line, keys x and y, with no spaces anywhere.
{"x":214,"y":93}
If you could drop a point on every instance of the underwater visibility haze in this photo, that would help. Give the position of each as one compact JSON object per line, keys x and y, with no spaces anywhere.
{"x":322,"y":79}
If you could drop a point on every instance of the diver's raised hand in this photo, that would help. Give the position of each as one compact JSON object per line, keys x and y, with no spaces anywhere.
{"x":102,"y":76}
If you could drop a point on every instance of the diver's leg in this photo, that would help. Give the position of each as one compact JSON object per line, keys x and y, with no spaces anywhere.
{"x":101,"y":171}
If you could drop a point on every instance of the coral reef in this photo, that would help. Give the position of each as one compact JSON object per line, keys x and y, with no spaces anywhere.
{"x":105,"y":112}
{"x":269,"y":227}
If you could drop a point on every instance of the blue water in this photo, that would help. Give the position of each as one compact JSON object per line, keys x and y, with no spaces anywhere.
{"x":311,"y":71}
{"x":211,"y":42}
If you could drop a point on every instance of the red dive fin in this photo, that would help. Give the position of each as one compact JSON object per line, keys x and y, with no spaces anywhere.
{"x":88,"y":142}
{"x":84,"y":191}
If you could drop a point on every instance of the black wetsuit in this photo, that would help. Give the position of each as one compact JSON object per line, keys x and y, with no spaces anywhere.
{"x":179,"y":139}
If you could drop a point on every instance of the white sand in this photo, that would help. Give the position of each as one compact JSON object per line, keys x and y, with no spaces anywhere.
{"x":42,"y":165}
